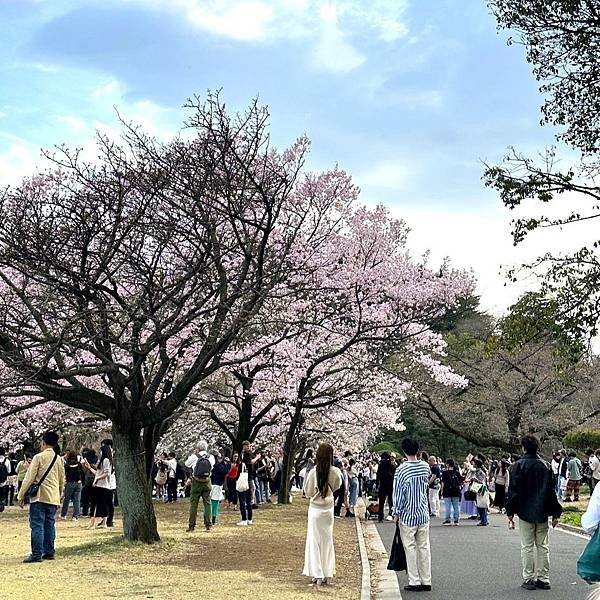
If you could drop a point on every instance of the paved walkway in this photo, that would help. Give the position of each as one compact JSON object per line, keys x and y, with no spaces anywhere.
{"x":483,"y":563}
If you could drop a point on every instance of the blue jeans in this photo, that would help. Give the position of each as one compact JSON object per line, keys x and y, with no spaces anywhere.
{"x":72,"y":492}
{"x":262,"y":491}
{"x":43,"y":531}
{"x":353,"y":491}
{"x":483,"y":513}
{"x":452,"y":505}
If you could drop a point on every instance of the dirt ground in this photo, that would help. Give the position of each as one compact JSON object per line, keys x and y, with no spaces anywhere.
{"x":262,"y":562}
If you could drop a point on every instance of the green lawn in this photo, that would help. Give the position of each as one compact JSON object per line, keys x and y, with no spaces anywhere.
{"x":263,"y":561}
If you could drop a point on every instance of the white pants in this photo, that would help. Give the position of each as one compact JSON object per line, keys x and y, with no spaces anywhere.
{"x":434,"y":501}
{"x":418,"y":555}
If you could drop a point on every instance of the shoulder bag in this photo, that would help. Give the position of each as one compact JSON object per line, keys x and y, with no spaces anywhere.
{"x":242,"y":484}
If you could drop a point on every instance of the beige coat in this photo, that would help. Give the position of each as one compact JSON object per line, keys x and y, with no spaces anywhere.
{"x":52,"y":488}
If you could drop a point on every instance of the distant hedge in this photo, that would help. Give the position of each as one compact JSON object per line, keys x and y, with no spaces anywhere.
{"x":582,"y":439}
{"x":383,"y":447}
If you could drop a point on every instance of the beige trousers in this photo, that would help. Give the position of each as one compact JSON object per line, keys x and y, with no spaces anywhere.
{"x":535,"y":553}
{"x":418,"y":555}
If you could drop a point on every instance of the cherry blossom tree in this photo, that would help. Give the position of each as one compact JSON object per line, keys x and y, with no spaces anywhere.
{"x":124,"y":281}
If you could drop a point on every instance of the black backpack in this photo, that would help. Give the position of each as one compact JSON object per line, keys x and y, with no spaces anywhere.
{"x":453,"y":482}
{"x":202,"y":469}
{"x":4,"y":472}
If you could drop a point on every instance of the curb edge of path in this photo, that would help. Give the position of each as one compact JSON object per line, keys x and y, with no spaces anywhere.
{"x":365,"y":589}
{"x":573,"y":530}
{"x":371,"y":547}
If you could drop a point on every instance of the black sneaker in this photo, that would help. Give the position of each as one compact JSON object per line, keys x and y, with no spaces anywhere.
{"x":425,"y":588}
{"x":542,"y":585}
{"x":47,"y":556}
{"x":413,"y":588}
{"x":32,"y":559}
{"x":528,"y":585}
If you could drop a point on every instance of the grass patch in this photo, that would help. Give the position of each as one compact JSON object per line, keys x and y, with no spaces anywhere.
{"x":263,"y":561}
{"x":571,"y":518}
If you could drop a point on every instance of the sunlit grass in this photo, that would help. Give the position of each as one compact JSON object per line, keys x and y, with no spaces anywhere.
{"x":263,"y":561}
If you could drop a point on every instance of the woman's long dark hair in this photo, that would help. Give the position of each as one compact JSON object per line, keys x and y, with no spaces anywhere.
{"x":105,"y":452}
{"x":324,"y":462}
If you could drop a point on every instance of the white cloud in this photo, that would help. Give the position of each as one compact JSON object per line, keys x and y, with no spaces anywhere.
{"x":18,"y":159}
{"x":72,"y":121}
{"x":481,"y":241}
{"x":112,"y":88}
{"x":394,"y":175}
{"x":327,"y":24}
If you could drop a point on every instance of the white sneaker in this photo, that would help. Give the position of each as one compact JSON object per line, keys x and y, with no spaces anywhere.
{"x":389,"y":518}
{"x":242,"y":523}
{"x":63,"y":518}
{"x":250,"y":522}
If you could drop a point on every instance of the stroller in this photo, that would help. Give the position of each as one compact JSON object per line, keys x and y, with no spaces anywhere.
{"x":372,"y":511}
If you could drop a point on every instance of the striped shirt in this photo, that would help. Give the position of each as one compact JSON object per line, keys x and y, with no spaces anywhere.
{"x":411,"y":484}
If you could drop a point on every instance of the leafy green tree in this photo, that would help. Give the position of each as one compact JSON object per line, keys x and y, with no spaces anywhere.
{"x":582,"y":439}
{"x":562,"y":42}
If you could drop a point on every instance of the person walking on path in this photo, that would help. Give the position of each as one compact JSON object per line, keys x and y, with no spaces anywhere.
{"x":411,"y":512}
{"x":575,"y":475}
{"x":48,"y":472}
{"x":531,"y":496}
{"x":320,"y":484}
{"x":201,"y":464}
{"x":451,"y":486}
{"x":384,"y":480}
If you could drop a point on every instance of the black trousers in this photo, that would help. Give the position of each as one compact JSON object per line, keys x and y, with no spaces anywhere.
{"x":384,"y":494}
{"x":171,"y":490}
{"x":103,"y":502}
{"x":339,"y":499}
{"x":111,"y":508}
{"x":88,"y":501}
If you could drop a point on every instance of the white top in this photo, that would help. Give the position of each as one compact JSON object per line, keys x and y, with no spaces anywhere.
{"x":312,"y":491}
{"x":591,"y":518}
{"x":172,"y":464}
{"x":594,"y":463}
{"x":190,"y":463}
{"x":103,"y":473}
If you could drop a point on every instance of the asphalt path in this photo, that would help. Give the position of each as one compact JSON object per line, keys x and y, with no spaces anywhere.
{"x":483,"y":563}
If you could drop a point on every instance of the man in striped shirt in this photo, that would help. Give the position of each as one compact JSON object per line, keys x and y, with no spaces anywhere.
{"x":411,"y":512}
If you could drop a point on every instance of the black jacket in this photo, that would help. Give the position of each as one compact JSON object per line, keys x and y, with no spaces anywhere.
{"x":531,"y":493}
{"x":385,"y":474}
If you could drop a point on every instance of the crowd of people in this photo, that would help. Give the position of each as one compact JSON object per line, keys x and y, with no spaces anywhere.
{"x":410,"y":489}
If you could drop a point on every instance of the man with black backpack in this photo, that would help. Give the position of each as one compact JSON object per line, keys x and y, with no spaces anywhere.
{"x":451,"y":488}
{"x":201,"y":464}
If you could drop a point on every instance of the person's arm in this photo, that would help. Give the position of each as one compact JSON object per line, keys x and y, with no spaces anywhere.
{"x":191,"y":461}
{"x":396,"y":497}
{"x":61,"y":477}
{"x":591,"y":518}
{"x":30,"y":477}
{"x":512,"y":495}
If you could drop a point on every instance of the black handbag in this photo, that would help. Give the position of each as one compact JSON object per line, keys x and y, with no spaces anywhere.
{"x":397,"y":560}
{"x":34,"y":489}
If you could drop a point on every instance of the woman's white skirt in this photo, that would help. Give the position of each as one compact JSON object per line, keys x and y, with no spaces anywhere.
{"x":319,"y":553}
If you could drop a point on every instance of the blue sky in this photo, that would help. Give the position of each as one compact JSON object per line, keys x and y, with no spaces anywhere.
{"x":408,"y":95}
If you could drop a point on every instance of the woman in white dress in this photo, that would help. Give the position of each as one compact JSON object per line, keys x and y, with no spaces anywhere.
{"x":320,"y":483}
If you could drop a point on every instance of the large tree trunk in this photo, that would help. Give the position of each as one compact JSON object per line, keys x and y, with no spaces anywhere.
{"x":133,"y":485}
{"x":289,"y":453}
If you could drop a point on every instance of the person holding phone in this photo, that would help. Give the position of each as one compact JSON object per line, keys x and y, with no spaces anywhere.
{"x":532,"y":496}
